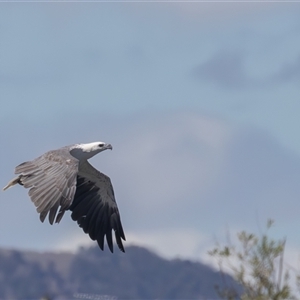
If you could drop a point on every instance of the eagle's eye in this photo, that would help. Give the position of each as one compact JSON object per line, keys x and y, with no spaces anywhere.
{"x":101,"y":145}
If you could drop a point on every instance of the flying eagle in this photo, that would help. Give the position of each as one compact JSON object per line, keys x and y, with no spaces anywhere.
{"x":63,"y":179}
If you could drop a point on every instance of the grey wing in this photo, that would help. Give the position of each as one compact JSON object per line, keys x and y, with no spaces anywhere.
{"x":95,"y":209}
{"x":51,"y":179}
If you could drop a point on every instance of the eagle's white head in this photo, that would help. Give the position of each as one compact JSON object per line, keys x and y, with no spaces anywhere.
{"x":86,"y":151}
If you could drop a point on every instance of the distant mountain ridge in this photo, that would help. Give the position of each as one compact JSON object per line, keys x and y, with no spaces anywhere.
{"x":93,"y":274}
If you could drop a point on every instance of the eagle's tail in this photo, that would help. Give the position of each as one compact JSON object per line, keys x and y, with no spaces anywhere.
{"x":12,"y":183}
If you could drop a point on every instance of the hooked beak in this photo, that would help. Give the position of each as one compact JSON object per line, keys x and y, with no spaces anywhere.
{"x":108,"y":146}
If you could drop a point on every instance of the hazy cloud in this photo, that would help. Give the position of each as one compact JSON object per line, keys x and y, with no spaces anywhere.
{"x":225,"y":69}
{"x":228,"y":70}
{"x":289,"y":72}
{"x":179,"y":178}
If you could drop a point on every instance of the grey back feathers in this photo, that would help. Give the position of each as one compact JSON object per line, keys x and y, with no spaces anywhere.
{"x":59,"y":181}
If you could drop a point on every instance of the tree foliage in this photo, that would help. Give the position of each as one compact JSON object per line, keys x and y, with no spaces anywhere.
{"x":257,"y":264}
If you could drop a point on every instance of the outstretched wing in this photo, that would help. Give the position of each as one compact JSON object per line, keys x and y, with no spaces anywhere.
{"x":94,"y":207}
{"x":51,"y":179}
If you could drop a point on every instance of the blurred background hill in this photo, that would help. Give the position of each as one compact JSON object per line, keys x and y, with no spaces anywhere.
{"x":137,"y":274}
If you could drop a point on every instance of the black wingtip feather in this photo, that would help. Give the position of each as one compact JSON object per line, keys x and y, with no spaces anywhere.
{"x":119,"y":242}
{"x":101,"y":243}
{"x":43,"y":216}
{"x":109,"y":241}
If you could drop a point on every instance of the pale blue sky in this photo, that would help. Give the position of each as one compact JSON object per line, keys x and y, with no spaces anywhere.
{"x":200,"y":101}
